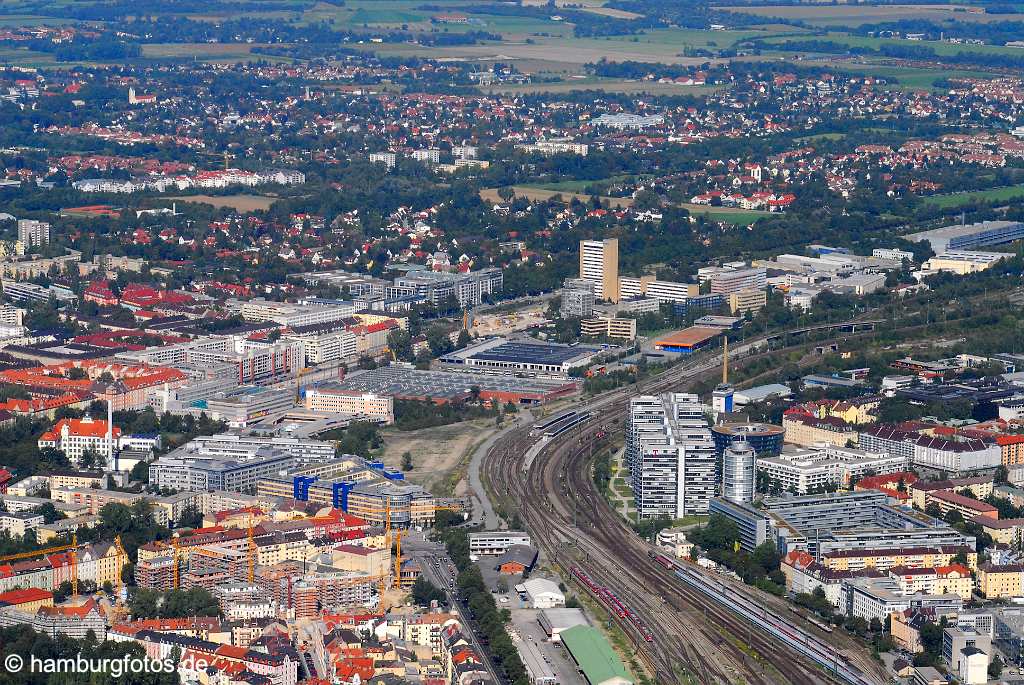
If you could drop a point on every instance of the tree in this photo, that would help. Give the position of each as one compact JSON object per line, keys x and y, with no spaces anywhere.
{"x":953,"y":517}
{"x":191,"y":517}
{"x":407,"y":461}
{"x":995,"y":667}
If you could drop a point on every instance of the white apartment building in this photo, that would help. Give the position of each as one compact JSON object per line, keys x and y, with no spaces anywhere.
{"x":599,"y":264}
{"x":19,"y":523}
{"x":893,"y":254}
{"x":11,"y":316}
{"x":728,"y":281}
{"x":326,"y":347}
{"x":671,"y":455}
{"x":806,"y":470}
{"x":388,"y":159}
{"x":661,"y":291}
{"x":431,"y":155}
{"x":33,"y":233}
{"x":337,"y":401}
{"x":294,"y":315}
{"x":671,"y":291}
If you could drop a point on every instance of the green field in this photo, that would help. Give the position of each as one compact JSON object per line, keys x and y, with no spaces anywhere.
{"x":1001,"y":194}
{"x":912,"y":78}
{"x":856,"y":15}
{"x":875,"y":43}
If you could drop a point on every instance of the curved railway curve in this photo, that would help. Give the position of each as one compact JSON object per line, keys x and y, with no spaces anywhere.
{"x":686,"y":637}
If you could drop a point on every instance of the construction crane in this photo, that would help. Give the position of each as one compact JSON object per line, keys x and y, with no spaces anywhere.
{"x":174,"y":563}
{"x":72,"y":548}
{"x":251,"y":551}
{"x":227,"y":156}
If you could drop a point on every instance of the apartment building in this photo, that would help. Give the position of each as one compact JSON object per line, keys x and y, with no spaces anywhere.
{"x":671,"y":455}
{"x":995,"y":582}
{"x":33,"y":233}
{"x":729,"y":281}
{"x":329,"y":397}
{"x":953,"y":579}
{"x":577,"y":299}
{"x":744,"y":301}
{"x":967,"y":507}
{"x":599,"y":264}
{"x":293,"y":315}
{"x":803,"y":470}
{"x":905,"y":557}
{"x":609,"y":327}
{"x":809,"y":431}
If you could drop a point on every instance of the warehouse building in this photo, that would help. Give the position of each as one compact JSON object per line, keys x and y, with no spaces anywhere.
{"x":405,"y":383}
{"x":688,"y":340}
{"x":497,"y":541}
{"x":554,"y":621}
{"x":595,"y":658}
{"x":522,"y":356}
{"x":964,"y":237}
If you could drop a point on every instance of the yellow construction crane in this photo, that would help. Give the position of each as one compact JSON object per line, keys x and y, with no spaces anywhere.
{"x":398,"y":558}
{"x":124,"y":555}
{"x":73,"y":548}
{"x":227,"y":156}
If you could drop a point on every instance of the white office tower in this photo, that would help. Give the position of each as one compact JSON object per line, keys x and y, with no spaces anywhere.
{"x":670,"y":455}
{"x":738,"y":472}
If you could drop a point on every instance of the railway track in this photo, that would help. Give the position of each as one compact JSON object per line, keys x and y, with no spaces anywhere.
{"x":696,"y":639}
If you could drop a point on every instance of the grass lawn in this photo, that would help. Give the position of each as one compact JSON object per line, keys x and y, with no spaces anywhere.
{"x":1001,"y":194}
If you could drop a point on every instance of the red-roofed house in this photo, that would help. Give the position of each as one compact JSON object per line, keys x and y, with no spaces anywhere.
{"x":74,"y":437}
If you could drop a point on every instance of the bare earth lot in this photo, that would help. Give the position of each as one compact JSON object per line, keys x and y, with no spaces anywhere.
{"x":436,"y":452}
{"x":240,"y":203}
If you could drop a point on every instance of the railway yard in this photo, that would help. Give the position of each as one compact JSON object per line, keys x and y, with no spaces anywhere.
{"x":683,"y":631}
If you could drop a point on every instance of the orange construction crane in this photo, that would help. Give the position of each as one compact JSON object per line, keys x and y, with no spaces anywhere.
{"x":251,"y":552}
{"x":124,"y":554}
{"x":73,"y":547}
{"x":398,"y":558}
{"x":174,"y":562}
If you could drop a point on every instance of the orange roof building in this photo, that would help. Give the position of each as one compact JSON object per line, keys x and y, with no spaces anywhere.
{"x":75,"y":437}
{"x":687,"y":340}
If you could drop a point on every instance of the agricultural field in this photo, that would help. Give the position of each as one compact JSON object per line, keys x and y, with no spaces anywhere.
{"x":212,"y":52}
{"x":855,"y":15}
{"x":625,"y":86}
{"x":1001,"y":194}
{"x":875,"y":43}
{"x":911,"y":78}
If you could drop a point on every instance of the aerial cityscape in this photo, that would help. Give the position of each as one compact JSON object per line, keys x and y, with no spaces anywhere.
{"x":511,"y":342}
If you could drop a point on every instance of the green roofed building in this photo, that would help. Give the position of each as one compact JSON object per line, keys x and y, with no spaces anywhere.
{"x":594,"y":656}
